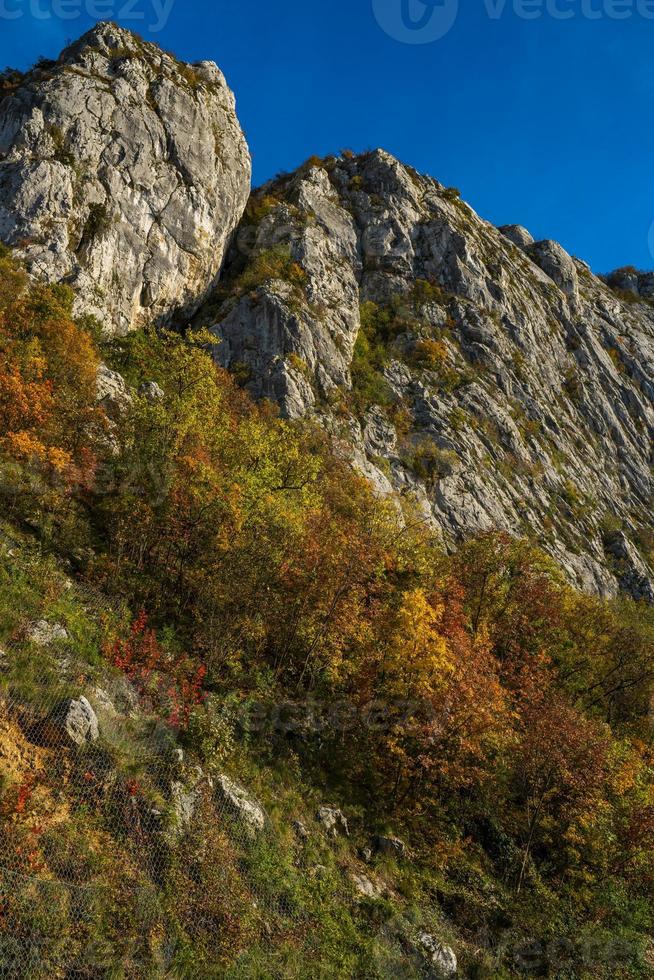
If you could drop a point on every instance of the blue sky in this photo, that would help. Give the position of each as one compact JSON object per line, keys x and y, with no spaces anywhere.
{"x":538,"y":120}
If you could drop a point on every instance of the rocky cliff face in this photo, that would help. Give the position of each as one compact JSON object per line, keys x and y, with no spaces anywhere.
{"x":492,"y":379}
{"x":122,"y":172}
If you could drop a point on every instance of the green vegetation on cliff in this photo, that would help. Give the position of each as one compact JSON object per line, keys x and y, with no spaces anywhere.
{"x":277,"y":622}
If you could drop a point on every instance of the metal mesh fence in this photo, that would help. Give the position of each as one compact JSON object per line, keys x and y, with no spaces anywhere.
{"x":122,"y":857}
{"x":119,"y":856}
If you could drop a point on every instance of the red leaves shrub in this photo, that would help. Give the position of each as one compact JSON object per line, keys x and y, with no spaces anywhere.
{"x":169,"y":683}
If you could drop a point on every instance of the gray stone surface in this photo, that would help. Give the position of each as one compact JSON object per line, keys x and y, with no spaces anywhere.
{"x":442,"y":957}
{"x":518,"y":235}
{"x":333,"y":821}
{"x":630,"y":280}
{"x":240,"y":805}
{"x":103,"y":703}
{"x":300,"y":831}
{"x":539,"y":418}
{"x":75,"y":722}
{"x":186,"y":795}
{"x":43,"y":633}
{"x":632,"y":572}
{"x":558,"y":265}
{"x":151,"y":391}
{"x":123,"y":172}
{"x":112,"y":392}
{"x":365,"y":886}
{"x":390,"y":847}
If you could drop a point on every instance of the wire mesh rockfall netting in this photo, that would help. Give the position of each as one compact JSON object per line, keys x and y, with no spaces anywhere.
{"x":127,"y":850}
{"x":119,"y":855}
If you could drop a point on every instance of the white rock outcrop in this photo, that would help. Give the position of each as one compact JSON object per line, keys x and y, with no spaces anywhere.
{"x":123,"y":172}
{"x":514,"y":390}
{"x":112,"y":392}
{"x":240,"y":805}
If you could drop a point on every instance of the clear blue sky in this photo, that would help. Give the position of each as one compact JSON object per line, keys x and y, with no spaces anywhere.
{"x":545,"y":122}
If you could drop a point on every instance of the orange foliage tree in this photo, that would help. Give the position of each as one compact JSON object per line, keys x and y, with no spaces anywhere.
{"x":48,"y":366}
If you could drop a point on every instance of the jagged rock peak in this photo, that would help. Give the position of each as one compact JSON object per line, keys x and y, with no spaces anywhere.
{"x":123,"y":172}
{"x":492,"y":379}
{"x":518,"y":235}
{"x":631,"y":283}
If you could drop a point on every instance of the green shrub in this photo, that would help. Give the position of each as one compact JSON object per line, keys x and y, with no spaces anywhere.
{"x":572,"y":386}
{"x":190,"y":75}
{"x":62,"y":152}
{"x":424,"y":292}
{"x":609,"y":526}
{"x":312,"y":162}
{"x":430,"y":354}
{"x":10,"y":79}
{"x":300,"y":365}
{"x":370,"y":357}
{"x":259,"y":207}
{"x":273,"y":263}
{"x":459,"y":419}
{"x":616,"y":357}
{"x":431,"y":463}
{"x":98,"y":222}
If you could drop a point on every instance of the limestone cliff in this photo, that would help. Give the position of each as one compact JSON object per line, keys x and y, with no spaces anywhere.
{"x":122,"y":172}
{"x":493,"y":379}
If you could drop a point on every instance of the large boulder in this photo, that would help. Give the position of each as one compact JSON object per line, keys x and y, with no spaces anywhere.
{"x":630,"y":280}
{"x":365,"y":886}
{"x":73,"y":722}
{"x":123,"y":172}
{"x":518,"y":235}
{"x":186,"y":797}
{"x":151,"y":391}
{"x":558,"y":265}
